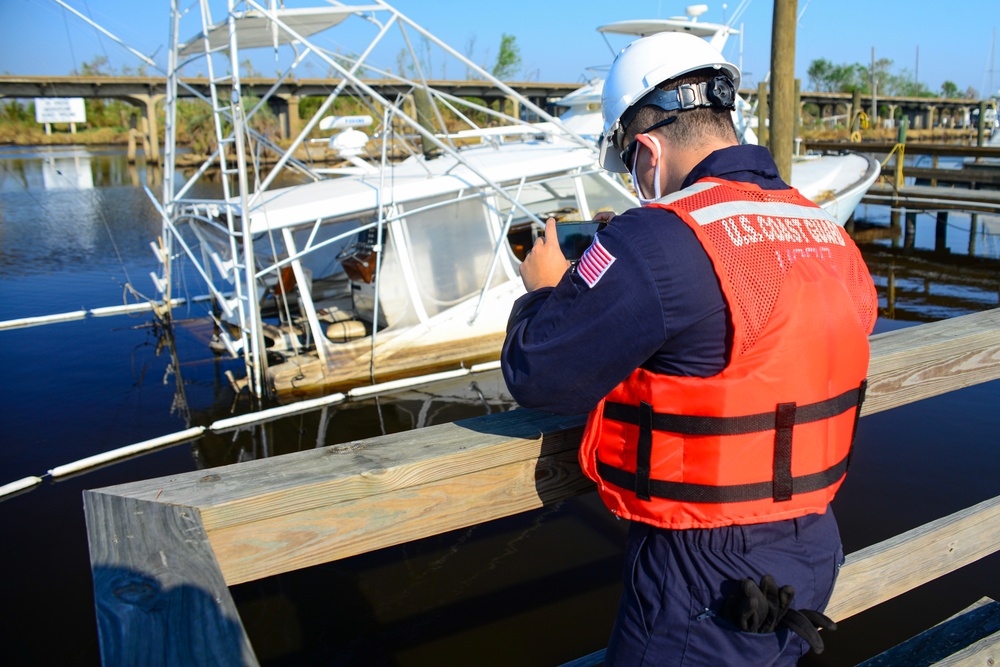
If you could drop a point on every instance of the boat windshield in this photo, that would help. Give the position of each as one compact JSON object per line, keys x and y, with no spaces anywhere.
{"x":451,"y":249}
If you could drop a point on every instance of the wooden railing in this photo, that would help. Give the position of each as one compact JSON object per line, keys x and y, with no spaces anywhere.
{"x":164,"y":551}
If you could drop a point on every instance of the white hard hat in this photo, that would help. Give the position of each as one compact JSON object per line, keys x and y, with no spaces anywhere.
{"x":643,"y":65}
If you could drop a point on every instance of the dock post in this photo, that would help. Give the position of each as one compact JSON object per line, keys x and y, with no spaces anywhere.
{"x":891,"y":297}
{"x":782,"y":129}
{"x":158,"y":591}
{"x":973,"y":230}
{"x":941,"y":232}
{"x":981,"y":137}
{"x":854,"y":122}
{"x":911,"y":230}
{"x":901,"y":143}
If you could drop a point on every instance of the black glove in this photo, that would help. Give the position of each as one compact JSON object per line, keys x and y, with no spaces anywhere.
{"x":764,"y":608}
{"x":805,"y":623}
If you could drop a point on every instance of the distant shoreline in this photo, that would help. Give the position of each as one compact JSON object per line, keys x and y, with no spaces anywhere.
{"x":111,"y":137}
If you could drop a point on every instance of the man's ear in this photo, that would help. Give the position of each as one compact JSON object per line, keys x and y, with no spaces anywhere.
{"x":648,"y":141}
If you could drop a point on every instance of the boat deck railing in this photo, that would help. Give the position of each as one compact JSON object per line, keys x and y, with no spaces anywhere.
{"x":165,"y":551}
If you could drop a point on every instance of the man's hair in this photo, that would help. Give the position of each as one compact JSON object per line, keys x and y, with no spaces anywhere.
{"x":693,"y":125}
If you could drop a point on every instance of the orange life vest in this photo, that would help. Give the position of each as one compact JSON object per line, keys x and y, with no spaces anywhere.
{"x":769,"y":437}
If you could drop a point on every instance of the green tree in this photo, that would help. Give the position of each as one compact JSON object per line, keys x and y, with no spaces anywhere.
{"x":508,"y":59}
{"x":882,"y":75}
{"x":470,"y":48}
{"x":819,"y":74}
{"x":825,"y":77}
{"x":249,"y":71}
{"x":949,"y":89}
{"x":904,"y":85}
{"x":96,"y":67}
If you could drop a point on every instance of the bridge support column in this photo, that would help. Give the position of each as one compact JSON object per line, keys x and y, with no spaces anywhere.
{"x":515,"y":107}
{"x":150,"y":126}
{"x":286,"y":108}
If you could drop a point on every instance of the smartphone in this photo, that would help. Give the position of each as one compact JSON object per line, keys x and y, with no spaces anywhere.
{"x":575,"y":236}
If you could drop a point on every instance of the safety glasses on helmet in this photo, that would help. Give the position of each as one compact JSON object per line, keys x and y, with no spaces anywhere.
{"x":629,"y":151}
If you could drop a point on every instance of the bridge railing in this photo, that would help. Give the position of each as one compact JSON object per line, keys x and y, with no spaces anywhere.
{"x":164,"y":551}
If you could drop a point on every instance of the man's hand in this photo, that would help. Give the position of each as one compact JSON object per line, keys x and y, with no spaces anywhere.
{"x":545,"y":264}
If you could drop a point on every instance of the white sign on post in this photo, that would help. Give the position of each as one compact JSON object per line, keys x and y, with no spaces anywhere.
{"x":60,"y":110}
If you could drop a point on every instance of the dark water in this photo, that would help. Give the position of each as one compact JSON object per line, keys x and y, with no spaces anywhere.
{"x":536,"y":589}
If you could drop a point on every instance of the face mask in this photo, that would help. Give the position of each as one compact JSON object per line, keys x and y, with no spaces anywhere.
{"x":656,"y":177}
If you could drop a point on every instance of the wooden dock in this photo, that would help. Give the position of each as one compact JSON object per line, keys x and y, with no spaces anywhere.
{"x":164,"y":551}
{"x":945,"y":189}
{"x":933,"y":198}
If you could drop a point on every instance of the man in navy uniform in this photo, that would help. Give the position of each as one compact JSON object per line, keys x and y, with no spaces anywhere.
{"x":717,"y":337}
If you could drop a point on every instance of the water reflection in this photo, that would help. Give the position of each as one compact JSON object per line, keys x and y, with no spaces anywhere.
{"x":73,"y":168}
{"x":935,"y":266}
{"x":427,"y":405}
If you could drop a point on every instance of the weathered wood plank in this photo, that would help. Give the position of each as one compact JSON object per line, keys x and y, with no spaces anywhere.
{"x":890,"y":568}
{"x":984,"y":653}
{"x":160,"y":597}
{"x":250,"y":551}
{"x":948,"y":641}
{"x":908,"y":365}
{"x":254,"y":490}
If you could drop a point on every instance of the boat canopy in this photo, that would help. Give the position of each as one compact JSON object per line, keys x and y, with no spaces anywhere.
{"x":414,"y":179}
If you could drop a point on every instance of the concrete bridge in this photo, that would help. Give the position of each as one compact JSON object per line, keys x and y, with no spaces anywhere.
{"x":922,"y":112}
{"x":147,"y":92}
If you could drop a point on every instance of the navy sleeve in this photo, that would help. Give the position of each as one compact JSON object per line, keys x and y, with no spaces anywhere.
{"x":657,"y":305}
{"x":568,"y":346}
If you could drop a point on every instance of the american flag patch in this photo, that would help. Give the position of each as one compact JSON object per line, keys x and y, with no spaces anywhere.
{"x":595,"y":263}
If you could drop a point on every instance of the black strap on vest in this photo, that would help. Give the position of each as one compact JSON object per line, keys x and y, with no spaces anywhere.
{"x":780,"y":488}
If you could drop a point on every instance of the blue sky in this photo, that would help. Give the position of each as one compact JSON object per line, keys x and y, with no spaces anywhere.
{"x":558,"y":39}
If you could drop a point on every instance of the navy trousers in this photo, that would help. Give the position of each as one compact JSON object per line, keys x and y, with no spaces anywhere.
{"x":676,"y":581}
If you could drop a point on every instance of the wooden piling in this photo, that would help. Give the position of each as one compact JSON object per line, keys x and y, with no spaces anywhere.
{"x":981,"y":136}
{"x":909,"y":240}
{"x":855,"y":120}
{"x":973,"y":230}
{"x":782,"y":132}
{"x":941,"y":232}
{"x":900,"y":150}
